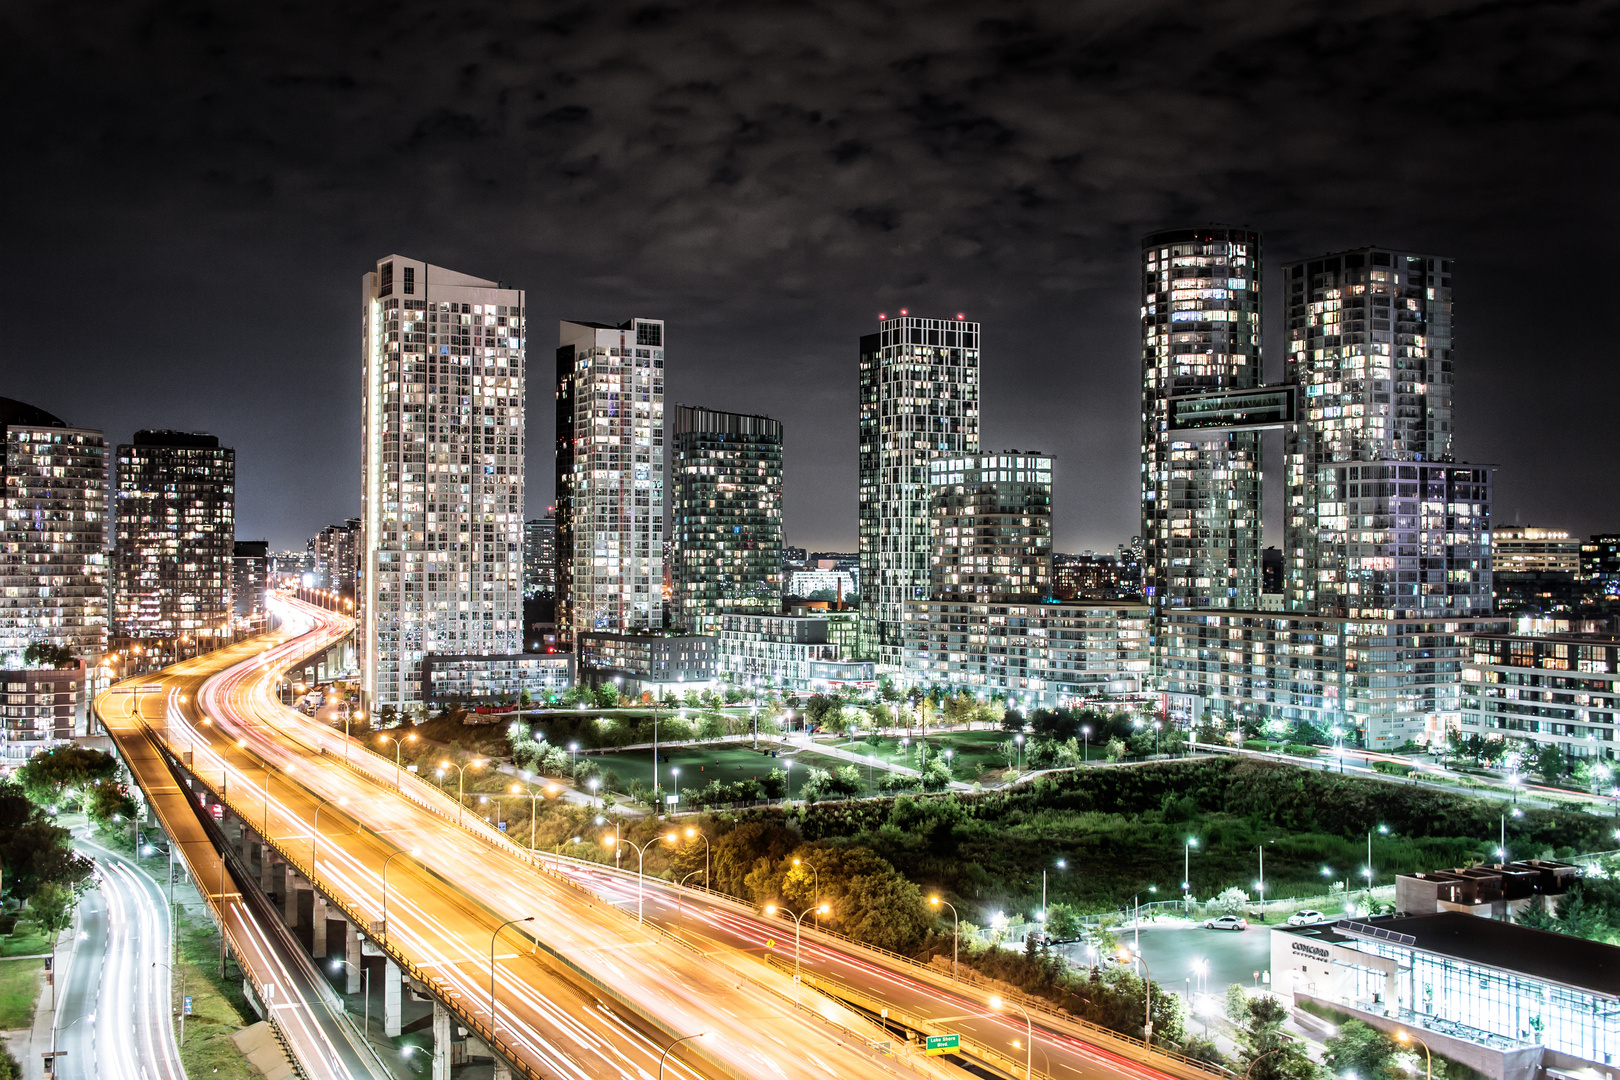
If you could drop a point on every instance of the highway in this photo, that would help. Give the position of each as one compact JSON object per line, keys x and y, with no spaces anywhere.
{"x":308,"y":1015}
{"x":579,"y":991}
{"x":722,"y":923}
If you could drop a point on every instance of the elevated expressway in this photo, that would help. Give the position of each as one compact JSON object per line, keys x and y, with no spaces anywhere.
{"x":575,"y":989}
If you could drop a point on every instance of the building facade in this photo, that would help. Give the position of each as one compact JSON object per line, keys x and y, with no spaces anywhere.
{"x":175,"y":527}
{"x":1038,"y":655}
{"x":53,"y":534}
{"x":647,"y":662}
{"x":336,"y":551}
{"x":1395,"y":680}
{"x":919,"y":386}
{"x":442,"y":473}
{"x":1200,"y":316}
{"x":610,"y":477}
{"x":990,"y":527}
{"x":250,"y":577}
{"x":495,"y":678}
{"x":40,"y":708}
{"x":727,"y":516}
{"x":1558,"y":690}
{"x":540,"y":557}
{"x":792,"y":653}
{"x":1528,"y":549}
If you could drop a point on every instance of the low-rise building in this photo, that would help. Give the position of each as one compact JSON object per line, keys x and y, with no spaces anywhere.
{"x":1392,"y":680}
{"x":841,"y":583}
{"x":448,"y":677}
{"x":40,"y":707}
{"x":1039,"y":655}
{"x":796,"y":653}
{"x":1560,"y":690}
{"x":646,"y":662}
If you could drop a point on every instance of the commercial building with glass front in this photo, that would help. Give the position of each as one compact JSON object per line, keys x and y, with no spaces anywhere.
{"x":1505,"y":999}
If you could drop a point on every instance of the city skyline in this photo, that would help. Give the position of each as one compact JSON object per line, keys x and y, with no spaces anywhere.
{"x":795,"y":214}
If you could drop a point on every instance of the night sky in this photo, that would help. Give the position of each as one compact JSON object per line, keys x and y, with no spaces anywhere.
{"x":190,"y":193}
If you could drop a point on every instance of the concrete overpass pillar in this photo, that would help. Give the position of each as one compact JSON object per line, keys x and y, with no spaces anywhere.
{"x":267,"y":866}
{"x":353,"y":959}
{"x":391,"y":999}
{"x":290,"y":883}
{"x":503,"y":1071}
{"x":441,"y":1041}
{"x":248,"y":844}
{"x":318,"y":927}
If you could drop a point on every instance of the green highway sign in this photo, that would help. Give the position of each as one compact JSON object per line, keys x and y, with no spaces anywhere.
{"x":944,"y":1044}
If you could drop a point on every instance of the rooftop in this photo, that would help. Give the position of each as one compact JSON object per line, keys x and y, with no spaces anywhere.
{"x":1590,"y":966}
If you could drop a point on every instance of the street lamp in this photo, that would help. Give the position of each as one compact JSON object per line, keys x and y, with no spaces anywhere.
{"x":399,"y":745}
{"x":694,"y":832}
{"x":315,"y":830}
{"x":817,"y":872}
{"x":1085,"y":733}
{"x":1147,"y":990}
{"x":413,"y":853}
{"x":956,"y":929}
{"x":1019,"y":739}
{"x":1029,"y":1033}
{"x":492,"y":937}
{"x":182,"y":975}
{"x":798,"y":921}
{"x":641,"y":859}
{"x":1186,"y":872}
{"x":1428,"y":1059}
{"x":671,"y":1046}
{"x":534,"y":802}
{"x":461,"y":777}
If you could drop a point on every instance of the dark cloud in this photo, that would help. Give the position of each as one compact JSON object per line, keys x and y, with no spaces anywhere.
{"x":193,"y":189}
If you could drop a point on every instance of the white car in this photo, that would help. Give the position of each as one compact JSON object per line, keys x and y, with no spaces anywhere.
{"x":1305,"y":918}
{"x":1226,"y":922}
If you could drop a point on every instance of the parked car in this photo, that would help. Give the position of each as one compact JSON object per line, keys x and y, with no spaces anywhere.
{"x":1306,"y":917}
{"x":1226,"y":922}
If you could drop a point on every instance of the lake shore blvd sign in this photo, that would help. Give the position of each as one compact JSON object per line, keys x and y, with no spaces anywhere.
{"x":943,"y":1044}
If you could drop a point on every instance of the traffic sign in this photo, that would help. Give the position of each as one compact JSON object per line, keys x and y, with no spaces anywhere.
{"x":943,"y":1044}
{"x":186,"y":1004}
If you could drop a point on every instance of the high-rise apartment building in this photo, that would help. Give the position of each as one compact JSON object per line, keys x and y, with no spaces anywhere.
{"x":919,"y":401}
{"x":540,"y":557}
{"x":1380,"y":523}
{"x":727,"y":474}
{"x":336,"y":550}
{"x":1518,"y":549}
{"x":610,"y":477}
{"x":1201,"y":520}
{"x":250,"y":577}
{"x":441,"y":563}
{"x":175,"y":524}
{"x":53,"y":530}
{"x":991,"y":525}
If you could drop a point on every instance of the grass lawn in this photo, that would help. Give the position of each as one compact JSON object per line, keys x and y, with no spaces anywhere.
{"x":19,"y":989}
{"x":26,"y":939}
{"x":973,"y":753}
{"x":218,"y":1011}
{"x":699,"y":764}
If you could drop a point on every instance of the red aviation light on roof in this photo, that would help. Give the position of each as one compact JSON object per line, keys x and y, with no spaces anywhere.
{"x":959,"y":315}
{"x":882,"y":317}
{"x":902,"y":311}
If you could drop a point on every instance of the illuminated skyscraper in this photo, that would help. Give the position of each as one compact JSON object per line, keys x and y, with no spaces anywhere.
{"x":442,"y":468}
{"x":1201,"y":518}
{"x":991,"y":527}
{"x":540,"y":557}
{"x":727,"y":472}
{"x":53,"y":531}
{"x":919,"y":401}
{"x":175,"y":519}
{"x":1380,"y":522}
{"x":610,"y":477}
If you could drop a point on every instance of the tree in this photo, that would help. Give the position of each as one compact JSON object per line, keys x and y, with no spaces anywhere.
{"x":10,"y":1069}
{"x":45,"y":654}
{"x":1550,"y":763}
{"x":1115,"y":749}
{"x":1229,"y":902}
{"x":48,"y":776}
{"x":936,"y":776}
{"x":53,"y":904}
{"x":1363,"y":1050}
{"x":109,"y":800}
{"x":845,"y":781}
{"x":1265,"y":1051}
{"x":607,"y":696}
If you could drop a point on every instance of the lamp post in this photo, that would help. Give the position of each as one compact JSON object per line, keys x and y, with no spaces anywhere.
{"x":461,"y":778}
{"x":171,"y":972}
{"x":1019,"y":739}
{"x":492,"y":937}
{"x":817,"y":872}
{"x":1062,"y":864}
{"x":1147,"y":991}
{"x":671,"y":1046}
{"x":413,"y":852}
{"x":1428,"y":1058}
{"x":690,"y":833}
{"x":798,"y":922}
{"x":675,"y":774}
{"x":641,"y":862}
{"x":1085,"y":733}
{"x":399,"y":746}
{"x":1029,"y":1033}
{"x":315,"y":830}
{"x":1186,"y":873}
{"x":956,"y":929}
{"x":534,"y":802}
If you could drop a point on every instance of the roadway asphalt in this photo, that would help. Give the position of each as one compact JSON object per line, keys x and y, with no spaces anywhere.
{"x":448,"y":891}
{"x":720,"y":924}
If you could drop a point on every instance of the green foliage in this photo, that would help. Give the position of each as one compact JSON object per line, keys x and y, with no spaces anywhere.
{"x":10,"y":1068}
{"x":48,"y":776}
{"x":53,"y":904}
{"x":1264,"y":1051}
{"x":33,"y":851}
{"x":45,"y":654}
{"x":1550,"y":763}
{"x":936,"y":775}
{"x":1363,"y":1050}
